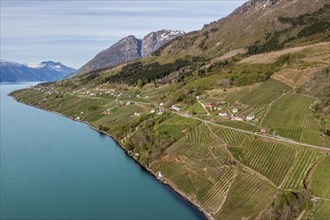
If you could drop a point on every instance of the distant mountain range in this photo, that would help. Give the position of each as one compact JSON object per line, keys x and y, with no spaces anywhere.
{"x":128,"y":49}
{"x":44,"y":71}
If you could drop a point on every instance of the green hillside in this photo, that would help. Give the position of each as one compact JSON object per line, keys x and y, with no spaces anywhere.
{"x":242,"y":137}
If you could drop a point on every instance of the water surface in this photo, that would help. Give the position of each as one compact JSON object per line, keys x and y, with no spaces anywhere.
{"x":53,"y":167}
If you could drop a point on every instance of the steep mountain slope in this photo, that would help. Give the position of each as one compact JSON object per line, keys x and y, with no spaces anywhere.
{"x":45,"y":71}
{"x":128,"y":49}
{"x":261,"y":21}
{"x":154,"y":40}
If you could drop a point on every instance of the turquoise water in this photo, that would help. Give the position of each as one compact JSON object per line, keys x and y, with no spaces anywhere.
{"x":55,"y":168}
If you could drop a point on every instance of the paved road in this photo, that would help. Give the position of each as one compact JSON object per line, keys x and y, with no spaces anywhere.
{"x":250,"y":132}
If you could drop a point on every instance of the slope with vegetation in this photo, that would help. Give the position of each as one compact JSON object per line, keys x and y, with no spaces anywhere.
{"x":164,"y":111}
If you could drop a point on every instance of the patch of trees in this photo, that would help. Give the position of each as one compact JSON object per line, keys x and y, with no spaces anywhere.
{"x":138,"y":73}
{"x":288,"y":205}
{"x":307,"y":25}
{"x":148,"y":140}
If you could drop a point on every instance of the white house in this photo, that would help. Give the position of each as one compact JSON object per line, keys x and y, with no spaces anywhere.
{"x":160,"y":174}
{"x":136,"y":114}
{"x":223,"y":114}
{"x":152,"y":111}
{"x":234,"y":110}
{"x":176,"y":108}
{"x":249,"y":118}
{"x":161,"y":104}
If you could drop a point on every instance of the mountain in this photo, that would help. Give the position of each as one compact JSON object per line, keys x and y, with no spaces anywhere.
{"x":44,"y":71}
{"x":268,"y":24}
{"x":155,"y":40}
{"x":128,"y":49}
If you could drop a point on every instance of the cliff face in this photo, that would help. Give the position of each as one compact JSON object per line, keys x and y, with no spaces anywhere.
{"x":154,"y":40}
{"x":128,"y":49}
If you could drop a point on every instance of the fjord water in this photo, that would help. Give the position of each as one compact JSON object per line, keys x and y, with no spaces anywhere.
{"x":55,"y":168}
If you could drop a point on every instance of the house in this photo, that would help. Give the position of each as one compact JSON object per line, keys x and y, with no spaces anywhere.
{"x":234,"y":110}
{"x":249,"y":118}
{"x":161,"y":104}
{"x":210,"y":105}
{"x":198,"y":97}
{"x":176,"y":108}
{"x":152,"y":111}
{"x":223,"y":114}
{"x":136,"y":114}
{"x":160,"y":112}
{"x":263,"y":130}
{"x":129,"y":103}
{"x":160,"y":175}
{"x":239,"y":117}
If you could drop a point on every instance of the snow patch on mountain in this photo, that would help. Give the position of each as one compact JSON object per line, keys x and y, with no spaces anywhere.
{"x":35,"y":65}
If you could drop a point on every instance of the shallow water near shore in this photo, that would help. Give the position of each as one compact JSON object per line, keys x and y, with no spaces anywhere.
{"x":53,"y":167}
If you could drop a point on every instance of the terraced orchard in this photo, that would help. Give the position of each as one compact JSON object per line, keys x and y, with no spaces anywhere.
{"x":247,"y":197}
{"x":289,"y":116}
{"x":217,"y":195}
{"x":304,"y":159}
{"x":273,"y":160}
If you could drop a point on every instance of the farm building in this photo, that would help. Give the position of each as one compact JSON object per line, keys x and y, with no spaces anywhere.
{"x":249,"y":118}
{"x":176,"y":108}
{"x":160,"y":174}
{"x":136,"y":114}
{"x":263,"y":130}
{"x":239,"y":117}
{"x":210,"y":105}
{"x":223,"y":114}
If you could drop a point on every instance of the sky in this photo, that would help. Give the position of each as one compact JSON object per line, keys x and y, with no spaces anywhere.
{"x":74,"y":31}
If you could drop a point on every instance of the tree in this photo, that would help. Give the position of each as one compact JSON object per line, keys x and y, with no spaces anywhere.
{"x":225,"y":83}
{"x":139,"y":83}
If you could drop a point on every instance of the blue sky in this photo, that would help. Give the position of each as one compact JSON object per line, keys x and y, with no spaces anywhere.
{"x":73,"y":32}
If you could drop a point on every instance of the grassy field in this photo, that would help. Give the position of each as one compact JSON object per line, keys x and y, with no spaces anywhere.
{"x":322,"y":211}
{"x":267,"y":92}
{"x":320,"y":179}
{"x":289,"y":116}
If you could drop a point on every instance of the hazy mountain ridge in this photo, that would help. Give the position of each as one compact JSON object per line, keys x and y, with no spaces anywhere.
{"x":44,"y":71}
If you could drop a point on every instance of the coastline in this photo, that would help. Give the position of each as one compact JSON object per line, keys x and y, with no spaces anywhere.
{"x":171,"y":186}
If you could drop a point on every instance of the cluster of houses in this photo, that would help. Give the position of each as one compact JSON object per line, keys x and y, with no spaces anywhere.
{"x":159,"y":111}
